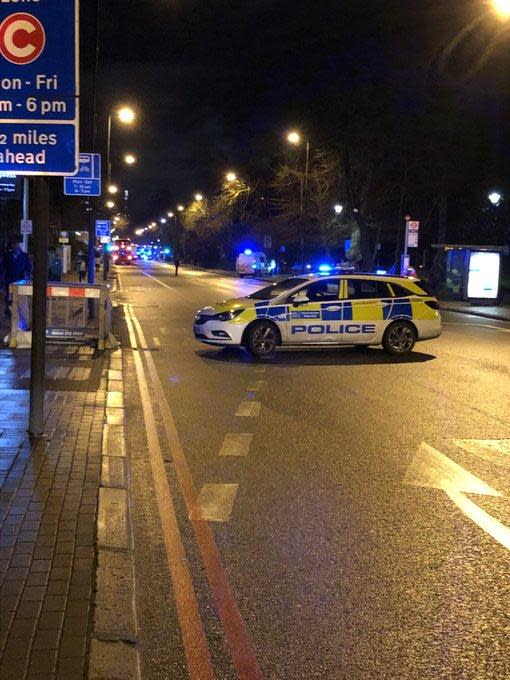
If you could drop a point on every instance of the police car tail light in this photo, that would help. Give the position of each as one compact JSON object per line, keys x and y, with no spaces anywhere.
{"x":432,"y":304}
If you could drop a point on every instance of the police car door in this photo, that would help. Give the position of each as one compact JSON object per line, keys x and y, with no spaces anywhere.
{"x":309,"y":310}
{"x":365,"y":307}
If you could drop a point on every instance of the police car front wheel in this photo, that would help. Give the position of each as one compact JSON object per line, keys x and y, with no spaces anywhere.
{"x":261,"y":340}
{"x":399,"y":338}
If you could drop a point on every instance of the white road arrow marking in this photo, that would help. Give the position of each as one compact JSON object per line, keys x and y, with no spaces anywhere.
{"x":432,"y":469}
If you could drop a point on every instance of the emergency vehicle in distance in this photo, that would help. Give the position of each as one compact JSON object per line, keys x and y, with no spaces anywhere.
{"x":123,"y":251}
{"x":348,"y":309}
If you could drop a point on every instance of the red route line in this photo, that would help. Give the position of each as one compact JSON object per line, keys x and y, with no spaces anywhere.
{"x":243,"y":655}
{"x":198,"y":658}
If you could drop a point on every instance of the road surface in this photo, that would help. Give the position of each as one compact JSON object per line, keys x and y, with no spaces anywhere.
{"x":359,"y":504}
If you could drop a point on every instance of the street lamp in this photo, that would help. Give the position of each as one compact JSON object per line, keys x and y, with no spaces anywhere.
{"x":163,"y":220}
{"x":113,"y":188}
{"x":338,"y":208}
{"x":495,"y":197}
{"x":110,"y":204}
{"x":231,"y":176}
{"x":170,"y":214}
{"x":501,"y":9}
{"x":294,"y":138}
{"x":139,"y":232}
{"x":180,"y":208}
{"x":129,"y":159}
{"x":199,"y":197}
{"x":126,"y":116}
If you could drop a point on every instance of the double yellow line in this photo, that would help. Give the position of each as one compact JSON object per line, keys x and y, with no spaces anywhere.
{"x":197,"y":652}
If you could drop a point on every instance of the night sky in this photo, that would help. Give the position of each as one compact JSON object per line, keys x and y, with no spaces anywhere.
{"x":217,"y":83}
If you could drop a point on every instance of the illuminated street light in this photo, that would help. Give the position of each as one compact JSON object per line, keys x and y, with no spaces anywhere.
{"x":338,"y":208}
{"x":501,"y":9}
{"x":113,"y":188}
{"x":495,"y":198}
{"x":153,"y":225}
{"x":231,"y":176}
{"x":163,"y":220}
{"x":139,"y":232}
{"x":199,"y":197}
{"x":294,"y":137}
{"x":170,"y":214}
{"x":126,"y":115}
{"x":110,"y":204}
{"x":180,"y":208}
{"x":129,"y":159}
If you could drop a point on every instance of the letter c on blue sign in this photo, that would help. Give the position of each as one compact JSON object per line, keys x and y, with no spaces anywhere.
{"x":352,"y":329}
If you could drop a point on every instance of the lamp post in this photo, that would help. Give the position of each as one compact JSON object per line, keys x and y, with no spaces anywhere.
{"x":124,"y":115}
{"x":295,"y":139}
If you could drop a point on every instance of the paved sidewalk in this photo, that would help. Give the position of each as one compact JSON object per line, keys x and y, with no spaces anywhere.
{"x":48,"y":506}
{"x":498,"y":312}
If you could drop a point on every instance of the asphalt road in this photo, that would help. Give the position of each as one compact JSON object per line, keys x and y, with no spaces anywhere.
{"x":365,"y":531}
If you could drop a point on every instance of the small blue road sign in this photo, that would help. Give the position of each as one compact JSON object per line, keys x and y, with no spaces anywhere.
{"x":87,"y":181}
{"x":39,"y":66}
{"x":103,"y":228}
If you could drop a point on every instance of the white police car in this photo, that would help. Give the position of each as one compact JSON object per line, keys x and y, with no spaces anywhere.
{"x":346,"y":309}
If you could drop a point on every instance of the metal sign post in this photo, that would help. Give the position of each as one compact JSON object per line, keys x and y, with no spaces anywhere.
{"x":39,"y":109}
{"x":38,"y":356}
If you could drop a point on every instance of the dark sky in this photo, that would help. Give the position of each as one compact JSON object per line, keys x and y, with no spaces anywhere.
{"x":218,"y":82}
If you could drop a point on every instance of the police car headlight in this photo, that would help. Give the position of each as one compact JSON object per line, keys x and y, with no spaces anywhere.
{"x":227,"y":316}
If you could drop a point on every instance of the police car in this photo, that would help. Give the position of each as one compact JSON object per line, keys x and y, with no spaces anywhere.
{"x":349,"y":309}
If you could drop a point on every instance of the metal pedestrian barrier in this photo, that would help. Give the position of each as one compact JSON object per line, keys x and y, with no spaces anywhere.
{"x":74,"y":312}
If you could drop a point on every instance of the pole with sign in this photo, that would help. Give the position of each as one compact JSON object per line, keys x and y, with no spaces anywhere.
{"x":39,"y":110}
{"x":412,"y":229}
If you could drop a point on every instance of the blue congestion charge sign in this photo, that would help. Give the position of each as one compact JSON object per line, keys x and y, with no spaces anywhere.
{"x":39,"y":87}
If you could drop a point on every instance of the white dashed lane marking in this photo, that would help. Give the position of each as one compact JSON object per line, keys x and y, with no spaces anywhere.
{"x":255,"y":386}
{"x":248,"y":408}
{"x":156,"y":342}
{"x":216,"y":501}
{"x":236,"y":444}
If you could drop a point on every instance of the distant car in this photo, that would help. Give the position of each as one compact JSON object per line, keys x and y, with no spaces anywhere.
{"x":252,"y":264}
{"x":123,"y":256}
{"x":348,"y":309}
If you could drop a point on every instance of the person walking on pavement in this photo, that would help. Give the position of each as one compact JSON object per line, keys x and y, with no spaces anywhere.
{"x":55,"y":266}
{"x":177,"y":263}
{"x":81,"y":266}
{"x":16,"y":266}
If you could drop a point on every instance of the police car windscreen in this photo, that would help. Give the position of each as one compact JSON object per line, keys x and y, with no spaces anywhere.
{"x":276,"y":289}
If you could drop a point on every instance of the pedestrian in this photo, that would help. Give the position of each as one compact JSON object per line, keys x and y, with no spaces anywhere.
{"x":97,"y":259}
{"x":81,"y":266}
{"x":16,"y":266}
{"x":177,"y":263}
{"x":55,"y":266}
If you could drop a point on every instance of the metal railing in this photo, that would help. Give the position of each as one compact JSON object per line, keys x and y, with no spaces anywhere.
{"x":80,"y":312}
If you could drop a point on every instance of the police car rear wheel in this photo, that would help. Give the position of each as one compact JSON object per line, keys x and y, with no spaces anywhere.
{"x":262,"y":340}
{"x":400,"y":338}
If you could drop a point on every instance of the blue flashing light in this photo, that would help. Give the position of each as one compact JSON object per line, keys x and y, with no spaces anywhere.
{"x":308,"y":266}
{"x":144,"y":257}
{"x":324,"y":268}
{"x":167,"y":251}
{"x":248,"y":251}
{"x":110,"y":248}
